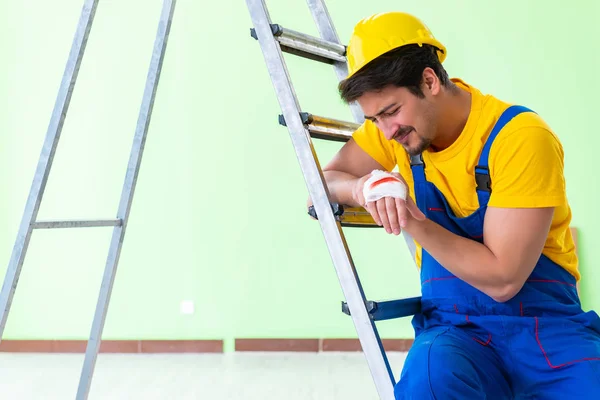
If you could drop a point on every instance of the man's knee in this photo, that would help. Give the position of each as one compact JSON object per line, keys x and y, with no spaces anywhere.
{"x":423,"y":376}
{"x":429,"y":366}
{"x":429,"y":373}
{"x":444,"y":365}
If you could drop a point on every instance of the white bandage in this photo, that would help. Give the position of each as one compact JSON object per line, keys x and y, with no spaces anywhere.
{"x":383,"y":184}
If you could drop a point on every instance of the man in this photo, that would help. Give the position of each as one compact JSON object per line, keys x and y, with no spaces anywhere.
{"x":488,"y":211}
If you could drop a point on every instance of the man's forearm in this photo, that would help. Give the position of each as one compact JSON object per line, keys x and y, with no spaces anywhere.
{"x":340,"y":186}
{"x":470,"y":261}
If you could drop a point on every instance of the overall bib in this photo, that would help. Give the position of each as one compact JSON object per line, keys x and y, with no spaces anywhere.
{"x":538,"y":345}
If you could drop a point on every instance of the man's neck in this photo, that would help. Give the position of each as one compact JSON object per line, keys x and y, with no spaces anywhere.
{"x":455,"y":111}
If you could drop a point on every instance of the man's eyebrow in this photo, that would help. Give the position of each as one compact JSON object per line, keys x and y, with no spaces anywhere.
{"x":380,"y":112}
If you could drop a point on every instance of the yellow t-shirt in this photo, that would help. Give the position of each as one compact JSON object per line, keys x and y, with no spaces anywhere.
{"x":526,"y":164}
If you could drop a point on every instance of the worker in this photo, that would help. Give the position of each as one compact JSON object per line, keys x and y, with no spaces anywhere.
{"x":487,"y":208}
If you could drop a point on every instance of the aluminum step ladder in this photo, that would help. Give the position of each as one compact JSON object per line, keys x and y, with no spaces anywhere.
{"x":274,"y":40}
{"x":29,"y":220}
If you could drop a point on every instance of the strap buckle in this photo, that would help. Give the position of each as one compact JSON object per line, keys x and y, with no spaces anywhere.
{"x":482,"y":178}
{"x":416,"y":160}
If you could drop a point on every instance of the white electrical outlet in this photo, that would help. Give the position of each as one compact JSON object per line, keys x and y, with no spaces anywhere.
{"x":186,"y":307}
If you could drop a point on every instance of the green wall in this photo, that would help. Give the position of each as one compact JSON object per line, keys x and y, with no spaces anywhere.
{"x":219,"y":212}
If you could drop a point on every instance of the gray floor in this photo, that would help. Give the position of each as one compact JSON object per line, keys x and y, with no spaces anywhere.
{"x":252,"y":376}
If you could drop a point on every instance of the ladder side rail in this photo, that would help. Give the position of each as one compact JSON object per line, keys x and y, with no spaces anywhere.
{"x":327,"y":31}
{"x":313,"y":176}
{"x":42,"y":172}
{"x":129,"y":184}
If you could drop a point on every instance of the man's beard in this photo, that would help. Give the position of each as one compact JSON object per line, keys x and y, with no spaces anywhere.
{"x":422,"y":145}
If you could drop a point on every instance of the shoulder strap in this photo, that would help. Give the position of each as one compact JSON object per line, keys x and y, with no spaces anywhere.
{"x":482,"y":172}
{"x":417,"y":166}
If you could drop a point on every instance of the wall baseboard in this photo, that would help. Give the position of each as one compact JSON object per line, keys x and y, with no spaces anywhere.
{"x":315,"y":345}
{"x":354,"y":344}
{"x":198,"y":346}
{"x":113,"y":346}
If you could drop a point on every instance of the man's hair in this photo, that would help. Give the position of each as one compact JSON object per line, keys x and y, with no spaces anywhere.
{"x":401,"y":67}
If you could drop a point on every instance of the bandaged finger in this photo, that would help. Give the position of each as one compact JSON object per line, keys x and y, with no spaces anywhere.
{"x":383,"y":184}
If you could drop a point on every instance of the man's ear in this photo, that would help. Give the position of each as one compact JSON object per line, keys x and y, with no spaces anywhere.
{"x":431,"y":82}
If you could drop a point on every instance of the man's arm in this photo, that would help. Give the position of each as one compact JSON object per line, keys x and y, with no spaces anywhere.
{"x":513,"y":242}
{"x":350,"y":164}
{"x":528,"y":182}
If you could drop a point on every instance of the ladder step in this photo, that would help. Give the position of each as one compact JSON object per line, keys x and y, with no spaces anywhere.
{"x":351,"y":217}
{"x":382,"y":310}
{"x":326,"y":128}
{"x":76,"y":223}
{"x":357,"y":217}
{"x":306,"y":46}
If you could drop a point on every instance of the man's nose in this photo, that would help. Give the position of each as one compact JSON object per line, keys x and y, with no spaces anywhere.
{"x":388,"y":128}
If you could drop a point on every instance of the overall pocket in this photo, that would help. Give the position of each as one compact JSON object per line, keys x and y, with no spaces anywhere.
{"x":562,"y":341}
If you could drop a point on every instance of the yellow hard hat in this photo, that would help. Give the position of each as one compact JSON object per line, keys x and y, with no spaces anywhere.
{"x":380,"y":33}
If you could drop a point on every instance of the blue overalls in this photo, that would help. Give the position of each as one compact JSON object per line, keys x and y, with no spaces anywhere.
{"x":538,"y":345}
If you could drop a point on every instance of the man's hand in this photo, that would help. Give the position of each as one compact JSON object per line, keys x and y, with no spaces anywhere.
{"x":391,"y":213}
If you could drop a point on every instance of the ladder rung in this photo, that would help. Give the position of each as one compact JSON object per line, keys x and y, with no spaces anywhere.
{"x":307,"y":46}
{"x":76,"y":223}
{"x":352,"y":217}
{"x":382,"y":310}
{"x":357,"y":217}
{"x":326,"y":128}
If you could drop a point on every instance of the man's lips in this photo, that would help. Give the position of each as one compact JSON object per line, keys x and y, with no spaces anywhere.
{"x":402,"y":137}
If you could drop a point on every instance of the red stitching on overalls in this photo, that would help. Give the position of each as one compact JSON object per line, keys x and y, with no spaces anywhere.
{"x":473,"y":337}
{"x":436,"y":209}
{"x":550,"y":281}
{"x":521,"y":306}
{"x":546,"y":356}
{"x":486,"y":343}
{"x":439,"y":279}
{"x":456,"y":309}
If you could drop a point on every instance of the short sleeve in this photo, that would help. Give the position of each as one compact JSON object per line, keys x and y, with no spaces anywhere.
{"x":527,"y":169}
{"x":373,"y":142}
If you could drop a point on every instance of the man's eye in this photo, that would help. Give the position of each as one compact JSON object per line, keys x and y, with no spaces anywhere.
{"x":390,"y":114}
